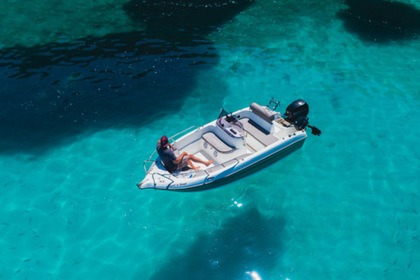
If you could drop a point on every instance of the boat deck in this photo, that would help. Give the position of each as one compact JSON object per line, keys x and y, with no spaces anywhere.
{"x":255,"y":138}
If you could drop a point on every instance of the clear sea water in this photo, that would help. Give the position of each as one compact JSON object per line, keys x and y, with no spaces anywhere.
{"x":87,"y":87}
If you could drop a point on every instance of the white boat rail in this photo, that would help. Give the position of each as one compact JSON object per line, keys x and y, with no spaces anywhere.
{"x":185,"y":131}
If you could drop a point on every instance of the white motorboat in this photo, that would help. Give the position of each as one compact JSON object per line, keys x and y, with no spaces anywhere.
{"x":236,"y":143}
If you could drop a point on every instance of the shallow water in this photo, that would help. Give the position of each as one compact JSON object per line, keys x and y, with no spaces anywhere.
{"x":83,"y":106}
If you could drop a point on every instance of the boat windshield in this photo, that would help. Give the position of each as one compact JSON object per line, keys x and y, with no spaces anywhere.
{"x":230,"y":124}
{"x":229,"y":117}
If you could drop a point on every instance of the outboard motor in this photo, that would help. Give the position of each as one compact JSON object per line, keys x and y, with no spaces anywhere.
{"x":297,"y":113}
{"x":301,"y":123}
{"x":297,"y":109}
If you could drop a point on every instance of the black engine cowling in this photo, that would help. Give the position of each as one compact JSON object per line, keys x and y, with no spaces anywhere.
{"x":298,"y":109}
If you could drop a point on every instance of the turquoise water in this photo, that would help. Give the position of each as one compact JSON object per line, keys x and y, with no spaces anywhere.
{"x":87,"y":90}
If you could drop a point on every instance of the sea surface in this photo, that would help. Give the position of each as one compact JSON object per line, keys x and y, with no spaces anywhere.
{"x":87,"y":88}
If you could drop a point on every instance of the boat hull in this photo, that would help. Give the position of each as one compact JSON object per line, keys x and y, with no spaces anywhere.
{"x":235,"y":145}
{"x":238,"y":174}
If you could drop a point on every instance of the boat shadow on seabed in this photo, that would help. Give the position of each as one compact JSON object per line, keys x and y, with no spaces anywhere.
{"x":243,"y":243}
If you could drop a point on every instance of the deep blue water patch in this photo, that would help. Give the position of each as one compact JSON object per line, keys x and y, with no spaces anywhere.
{"x":381,"y":21}
{"x":53,"y":92}
{"x":231,"y":251}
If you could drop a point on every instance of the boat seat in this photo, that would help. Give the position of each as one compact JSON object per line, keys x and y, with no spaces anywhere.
{"x":216,"y":142}
{"x":258,"y":132}
{"x":263,"y":112}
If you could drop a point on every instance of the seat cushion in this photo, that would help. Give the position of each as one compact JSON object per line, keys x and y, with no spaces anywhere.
{"x":216,"y":142}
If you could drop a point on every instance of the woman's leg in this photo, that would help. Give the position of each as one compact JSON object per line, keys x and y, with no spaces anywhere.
{"x":190,"y":159}
{"x":196,"y":159}
{"x":191,"y":164}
